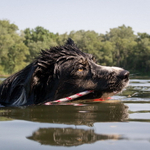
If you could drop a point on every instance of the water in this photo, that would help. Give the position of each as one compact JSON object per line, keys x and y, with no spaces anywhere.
{"x":120,"y":123}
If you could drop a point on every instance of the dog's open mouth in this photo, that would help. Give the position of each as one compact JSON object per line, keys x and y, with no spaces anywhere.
{"x":89,"y":94}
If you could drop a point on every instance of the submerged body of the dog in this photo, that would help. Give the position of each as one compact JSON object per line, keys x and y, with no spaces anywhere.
{"x":60,"y":72}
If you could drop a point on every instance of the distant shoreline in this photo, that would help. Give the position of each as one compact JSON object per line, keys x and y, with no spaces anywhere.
{"x":4,"y":76}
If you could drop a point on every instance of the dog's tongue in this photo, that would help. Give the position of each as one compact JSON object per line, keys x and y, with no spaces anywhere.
{"x":100,"y":99}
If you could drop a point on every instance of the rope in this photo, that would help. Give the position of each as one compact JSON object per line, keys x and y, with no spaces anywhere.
{"x":69,"y":98}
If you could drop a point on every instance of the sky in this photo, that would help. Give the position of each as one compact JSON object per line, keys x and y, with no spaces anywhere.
{"x":61,"y":16}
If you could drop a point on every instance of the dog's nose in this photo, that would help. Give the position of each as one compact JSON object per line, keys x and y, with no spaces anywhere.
{"x":124,"y":74}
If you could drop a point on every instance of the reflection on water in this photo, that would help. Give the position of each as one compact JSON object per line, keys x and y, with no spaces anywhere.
{"x":137,"y":98}
{"x":68,"y":136}
{"x":138,"y":89}
{"x":66,"y":114}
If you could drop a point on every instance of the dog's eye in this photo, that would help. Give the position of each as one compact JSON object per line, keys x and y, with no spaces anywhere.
{"x":80,"y":70}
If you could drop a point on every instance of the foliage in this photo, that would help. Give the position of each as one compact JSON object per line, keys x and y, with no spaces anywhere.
{"x":118,"y":47}
{"x":12,"y":48}
{"x":37,"y":39}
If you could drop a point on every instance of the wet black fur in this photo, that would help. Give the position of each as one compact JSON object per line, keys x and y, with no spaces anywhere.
{"x":57,"y":73}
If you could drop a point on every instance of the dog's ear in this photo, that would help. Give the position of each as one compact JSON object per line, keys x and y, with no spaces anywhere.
{"x":70,"y":42}
{"x":45,"y":66}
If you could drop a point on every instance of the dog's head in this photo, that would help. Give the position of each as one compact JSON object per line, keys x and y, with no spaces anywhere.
{"x":65,"y":70}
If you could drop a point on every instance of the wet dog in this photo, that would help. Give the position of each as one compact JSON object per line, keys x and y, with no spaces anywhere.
{"x":60,"y":72}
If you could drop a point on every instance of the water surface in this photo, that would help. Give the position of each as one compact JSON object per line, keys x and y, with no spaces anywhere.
{"x":120,"y":123}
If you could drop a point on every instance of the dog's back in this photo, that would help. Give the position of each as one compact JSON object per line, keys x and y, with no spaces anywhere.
{"x":14,"y":89}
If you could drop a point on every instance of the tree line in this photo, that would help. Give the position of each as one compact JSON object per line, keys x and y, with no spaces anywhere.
{"x":118,"y":47}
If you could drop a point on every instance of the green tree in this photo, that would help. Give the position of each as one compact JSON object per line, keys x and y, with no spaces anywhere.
{"x":12,"y":48}
{"x":37,"y":39}
{"x":141,"y":56}
{"x":107,"y":51}
{"x":142,"y":36}
{"x":88,"y":42}
{"x":123,"y":39}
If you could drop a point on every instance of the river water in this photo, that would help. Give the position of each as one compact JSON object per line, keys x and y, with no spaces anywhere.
{"x":121,"y":123}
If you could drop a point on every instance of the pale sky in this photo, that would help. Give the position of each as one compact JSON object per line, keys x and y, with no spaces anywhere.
{"x":66,"y":15}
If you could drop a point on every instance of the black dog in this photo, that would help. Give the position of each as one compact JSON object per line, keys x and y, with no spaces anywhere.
{"x":60,"y":72}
